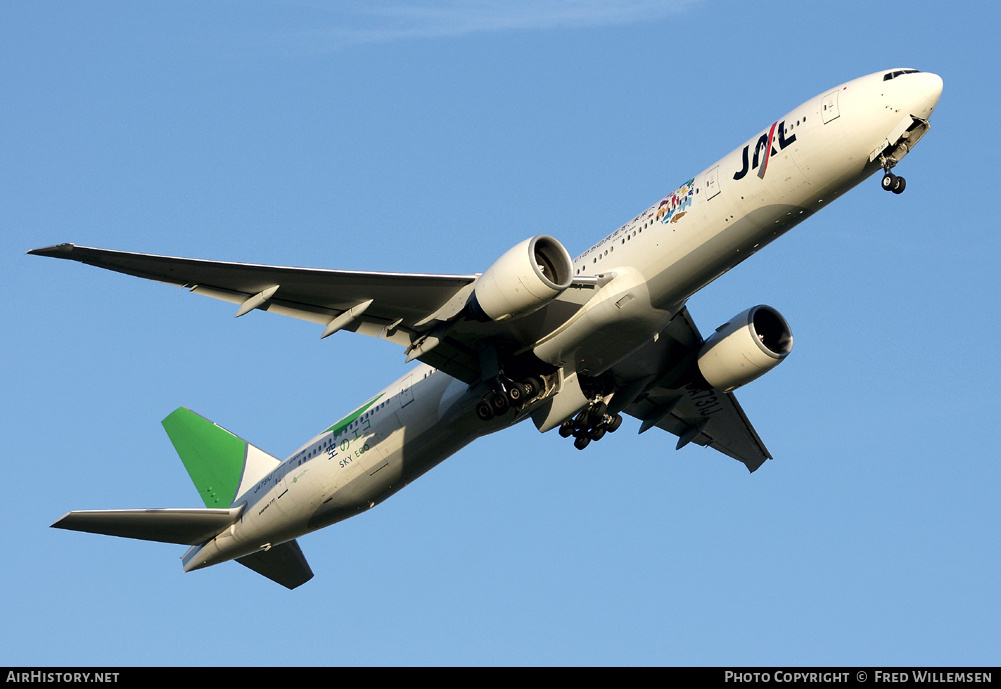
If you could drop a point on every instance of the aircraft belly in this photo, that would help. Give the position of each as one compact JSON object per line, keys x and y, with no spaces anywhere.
{"x":414,"y":439}
{"x":417,"y":454}
{"x":364,"y":470}
{"x":618,"y":320}
{"x":262,"y":524}
{"x":711,"y":258}
{"x":614,"y":340}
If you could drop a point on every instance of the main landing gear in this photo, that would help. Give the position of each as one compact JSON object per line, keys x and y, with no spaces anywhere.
{"x":590,"y":424}
{"x":892,"y":182}
{"x":507,"y":394}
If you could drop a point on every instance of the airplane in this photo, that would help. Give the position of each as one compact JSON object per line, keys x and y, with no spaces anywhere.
{"x":573,"y":344}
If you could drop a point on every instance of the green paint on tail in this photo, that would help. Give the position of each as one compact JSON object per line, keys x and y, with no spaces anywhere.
{"x":213,"y":456}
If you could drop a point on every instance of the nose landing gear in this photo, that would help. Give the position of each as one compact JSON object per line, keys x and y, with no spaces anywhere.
{"x":892,"y":182}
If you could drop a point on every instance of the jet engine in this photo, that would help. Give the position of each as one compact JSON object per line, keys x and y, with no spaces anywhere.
{"x":525,"y":278}
{"x":750,"y":345}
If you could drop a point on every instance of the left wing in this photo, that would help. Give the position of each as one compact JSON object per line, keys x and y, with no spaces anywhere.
{"x":419,"y":311}
{"x":392,"y":306}
{"x":309,"y":294}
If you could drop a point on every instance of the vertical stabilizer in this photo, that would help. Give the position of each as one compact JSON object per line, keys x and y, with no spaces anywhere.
{"x":221,"y":465}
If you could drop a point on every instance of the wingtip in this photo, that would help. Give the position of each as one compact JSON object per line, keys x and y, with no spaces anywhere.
{"x":61,"y":522}
{"x":56,"y":250}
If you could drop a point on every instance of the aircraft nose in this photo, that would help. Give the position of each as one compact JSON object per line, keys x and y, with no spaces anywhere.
{"x":926,"y":89}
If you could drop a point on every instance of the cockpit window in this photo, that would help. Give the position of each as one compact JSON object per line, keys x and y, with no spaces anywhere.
{"x":894,"y":75}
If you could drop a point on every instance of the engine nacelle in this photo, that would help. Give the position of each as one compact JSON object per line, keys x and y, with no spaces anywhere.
{"x":750,"y":345}
{"x":525,"y":278}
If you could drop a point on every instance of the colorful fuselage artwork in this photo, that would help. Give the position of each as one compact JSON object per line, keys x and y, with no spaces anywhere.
{"x":672,"y":208}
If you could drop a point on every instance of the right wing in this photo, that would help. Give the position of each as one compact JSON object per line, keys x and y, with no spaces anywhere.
{"x":704,"y":416}
{"x":674,"y":397}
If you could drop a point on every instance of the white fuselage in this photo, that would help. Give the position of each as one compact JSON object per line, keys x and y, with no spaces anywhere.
{"x":655,"y":262}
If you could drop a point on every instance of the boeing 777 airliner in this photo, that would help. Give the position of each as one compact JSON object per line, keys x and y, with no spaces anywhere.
{"x":572,"y":344}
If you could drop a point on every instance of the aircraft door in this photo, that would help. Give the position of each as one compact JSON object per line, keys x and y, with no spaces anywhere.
{"x":407,"y":393}
{"x":829,"y":107}
{"x":281,"y":487}
{"x":712,"y":183}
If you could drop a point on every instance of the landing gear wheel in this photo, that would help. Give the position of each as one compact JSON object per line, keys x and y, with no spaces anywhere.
{"x":532,"y":387}
{"x":899,"y":184}
{"x":889,"y":181}
{"x":590,"y":424}
{"x":592,"y":416}
{"x":484,"y":410}
{"x":517,"y":393}
{"x":499,"y":403}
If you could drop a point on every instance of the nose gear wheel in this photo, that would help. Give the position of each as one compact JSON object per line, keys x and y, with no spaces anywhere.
{"x":894,"y":183}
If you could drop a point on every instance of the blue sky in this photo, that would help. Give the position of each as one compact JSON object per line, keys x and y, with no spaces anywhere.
{"x":432,"y":136}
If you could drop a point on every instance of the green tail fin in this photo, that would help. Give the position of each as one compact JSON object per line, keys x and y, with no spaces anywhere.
{"x":221,"y":465}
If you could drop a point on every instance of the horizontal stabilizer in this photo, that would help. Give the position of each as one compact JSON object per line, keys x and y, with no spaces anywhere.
{"x":284,"y":564}
{"x":184,"y":526}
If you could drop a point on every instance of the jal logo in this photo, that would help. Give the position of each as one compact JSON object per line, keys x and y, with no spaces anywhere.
{"x":766,"y":144}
